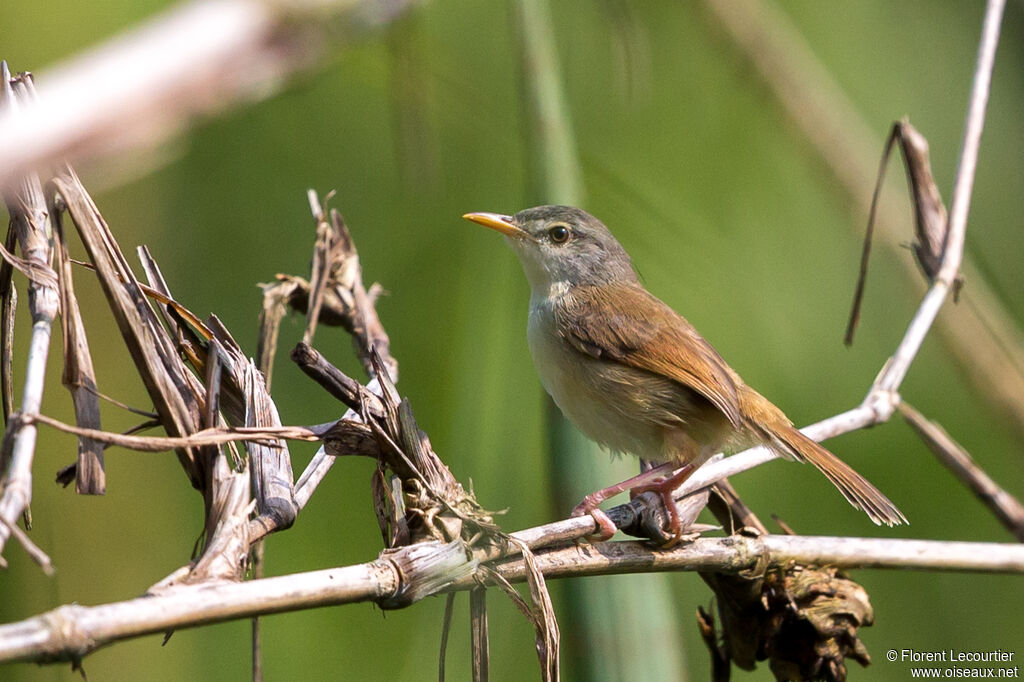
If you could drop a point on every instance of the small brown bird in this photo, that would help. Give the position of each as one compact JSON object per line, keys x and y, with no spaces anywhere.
{"x":634,"y":375}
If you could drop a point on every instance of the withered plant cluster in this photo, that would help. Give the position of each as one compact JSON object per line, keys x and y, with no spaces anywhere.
{"x":214,"y":404}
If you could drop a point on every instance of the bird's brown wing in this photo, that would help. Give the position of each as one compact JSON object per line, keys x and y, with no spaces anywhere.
{"x":638,"y":330}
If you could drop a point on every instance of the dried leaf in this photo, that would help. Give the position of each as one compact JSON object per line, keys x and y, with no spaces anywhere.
{"x":8,"y":307}
{"x":275,"y":305}
{"x":172,"y":388}
{"x":79,"y":375}
{"x":543,"y":616}
{"x":327,"y":252}
{"x":930,"y":218}
{"x":478,"y":630}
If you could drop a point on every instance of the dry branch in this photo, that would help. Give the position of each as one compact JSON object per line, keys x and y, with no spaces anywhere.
{"x":231,"y":389}
{"x":346,"y":302}
{"x":175,"y":392}
{"x":71,"y":632}
{"x":1005,"y":506}
{"x":416,"y":498}
{"x":930,"y":218}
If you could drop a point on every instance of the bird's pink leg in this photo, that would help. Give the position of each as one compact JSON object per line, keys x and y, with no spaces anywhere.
{"x":665,"y":487}
{"x":589,"y":505}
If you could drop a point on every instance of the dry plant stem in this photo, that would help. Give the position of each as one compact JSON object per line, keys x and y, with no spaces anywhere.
{"x":237,"y":50}
{"x":71,"y":632}
{"x":446,"y":626}
{"x":323,"y":251}
{"x":30,"y":220}
{"x":1005,"y":506}
{"x":9,"y":303}
{"x":246,"y":402}
{"x":174,"y":390}
{"x":930,"y":216}
{"x":361,"y":319}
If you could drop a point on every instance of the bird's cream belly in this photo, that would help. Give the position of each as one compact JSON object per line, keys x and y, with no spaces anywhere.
{"x":590,"y":393}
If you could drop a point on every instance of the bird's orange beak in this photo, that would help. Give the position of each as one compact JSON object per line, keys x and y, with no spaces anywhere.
{"x":496,"y":221}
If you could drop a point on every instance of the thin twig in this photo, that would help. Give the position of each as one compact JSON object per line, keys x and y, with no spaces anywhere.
{"x":1005,"y":506}
{"x":897,"y":367}
{"x":33,"y":550}
{"x":266,"y":435}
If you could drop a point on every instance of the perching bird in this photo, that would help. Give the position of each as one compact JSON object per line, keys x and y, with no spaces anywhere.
{"x":634,"y":375}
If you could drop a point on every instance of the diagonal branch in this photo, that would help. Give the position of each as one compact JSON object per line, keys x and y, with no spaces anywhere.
{"x":984,"y":336}
{"x":883,"y":397}
{"x":140,"y":88}
{"x":896,"y":369}
{"x":1005,"y":506}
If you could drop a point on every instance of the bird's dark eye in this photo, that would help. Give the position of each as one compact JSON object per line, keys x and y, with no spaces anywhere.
{"x":559,"y":234}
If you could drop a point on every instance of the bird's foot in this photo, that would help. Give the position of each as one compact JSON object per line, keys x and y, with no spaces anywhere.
{"x":605,"y":526}
{"x":590,"y":503}
{"x":664,"y":488}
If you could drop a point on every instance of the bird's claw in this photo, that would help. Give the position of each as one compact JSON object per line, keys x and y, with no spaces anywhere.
{"x":674,"y":531}
{"x":605,"y":526}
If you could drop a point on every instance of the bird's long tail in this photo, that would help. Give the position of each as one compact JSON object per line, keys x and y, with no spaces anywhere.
{"x":776,"y":431}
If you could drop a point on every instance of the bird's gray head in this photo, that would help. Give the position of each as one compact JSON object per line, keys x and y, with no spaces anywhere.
{"x":561,"y":247}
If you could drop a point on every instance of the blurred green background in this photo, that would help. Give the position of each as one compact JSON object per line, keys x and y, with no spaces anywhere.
{"x":730,"y":216}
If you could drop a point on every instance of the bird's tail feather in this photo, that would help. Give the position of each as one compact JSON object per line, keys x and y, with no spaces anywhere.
{"x":778,"y":433}
{"x":857,"y":490}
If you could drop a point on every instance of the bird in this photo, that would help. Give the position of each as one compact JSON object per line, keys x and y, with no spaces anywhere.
{"x":635,"y":376}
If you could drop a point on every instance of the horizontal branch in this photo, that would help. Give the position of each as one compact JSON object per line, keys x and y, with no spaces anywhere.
{"x":71,"y":632}
{"x":734,"y":554}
